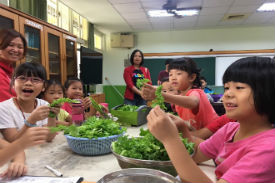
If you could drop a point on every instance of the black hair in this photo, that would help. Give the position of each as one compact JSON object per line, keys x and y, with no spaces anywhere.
{"x":48,"y":84}
{"x":188,"y":65}
{"x":70,"y":81}
{"x":259,"y":74}
{"x":167,"y":61}
{"x":203,"y":78}
{"x":165,"y":79}
{"x":133,"y":55}
{"x":29,"y":69}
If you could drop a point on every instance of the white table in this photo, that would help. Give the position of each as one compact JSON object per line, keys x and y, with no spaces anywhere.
{"x":58,"y":155}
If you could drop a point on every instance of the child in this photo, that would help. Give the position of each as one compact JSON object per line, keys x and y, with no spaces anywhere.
{"x":243,"y":151}
{"x":74,"y":90}
{"x":53,"y":91}
{"x":167,"y":88}
{"x":192,"y":104}
{"x":206,"y":90}
{"x":25,"y":110}
{"x":32,"y":136}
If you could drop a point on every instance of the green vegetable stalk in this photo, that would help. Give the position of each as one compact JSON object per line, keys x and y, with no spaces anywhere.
{"x":141,"y":82}
{"x":98,"y":108}
{"x":159,"y":100}
{"x":59,"y":101}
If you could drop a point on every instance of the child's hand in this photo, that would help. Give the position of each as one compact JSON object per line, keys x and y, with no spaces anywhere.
{"x":86,"y":102}
{"x":38,"y":114}
{"x":181,"y":125}
{"x":34,"y":136}
{"x":55,"y":110}
{"x":15,"y":169}
{"x":148,"y":92}
{"x":161,"y":125}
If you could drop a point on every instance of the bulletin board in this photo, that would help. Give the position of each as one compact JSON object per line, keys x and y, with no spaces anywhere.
{"x":207,"y":65}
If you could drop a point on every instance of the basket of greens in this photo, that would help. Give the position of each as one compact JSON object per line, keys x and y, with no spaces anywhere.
{"x":145,"y":152}
{"x":130,"y":114}
{"x":94,"y":137}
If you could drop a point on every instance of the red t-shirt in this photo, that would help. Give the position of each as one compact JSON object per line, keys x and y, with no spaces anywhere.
{"x":5,"y":78}
{"x":218,"y":123}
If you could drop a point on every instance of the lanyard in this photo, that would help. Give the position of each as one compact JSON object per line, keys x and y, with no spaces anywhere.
{"x":17,"y":103}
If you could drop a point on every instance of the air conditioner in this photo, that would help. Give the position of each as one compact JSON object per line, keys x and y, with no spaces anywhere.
{"x":122,"y":40}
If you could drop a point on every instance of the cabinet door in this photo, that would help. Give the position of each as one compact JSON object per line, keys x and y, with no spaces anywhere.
{"x":33,"y":33}
{"x":53,"y":54}
{"x":70,"y":64}
{"x":8,"y":20}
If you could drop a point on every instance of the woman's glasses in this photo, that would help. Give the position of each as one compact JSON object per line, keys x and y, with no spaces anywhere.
{"x":24,"y":79}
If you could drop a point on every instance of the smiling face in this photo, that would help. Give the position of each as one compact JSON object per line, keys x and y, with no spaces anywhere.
{"x":75,"y":90}
{"x":238,"y":101}
{"x":137,"y":58}
{"x":181,"y":80}
{"x":28,"y":88}
{"x":13,"y":52}
{"x":54,"y":92}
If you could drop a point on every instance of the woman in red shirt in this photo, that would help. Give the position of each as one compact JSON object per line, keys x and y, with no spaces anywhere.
{"x":136,"y":71}
{"x":13,"y":47}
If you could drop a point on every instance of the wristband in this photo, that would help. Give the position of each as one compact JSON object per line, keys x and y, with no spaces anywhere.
{"x":29,"y":124}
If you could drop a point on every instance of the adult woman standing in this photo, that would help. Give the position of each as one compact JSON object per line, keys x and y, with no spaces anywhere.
{"x":136,"y":71}
{"x":13,"y":47}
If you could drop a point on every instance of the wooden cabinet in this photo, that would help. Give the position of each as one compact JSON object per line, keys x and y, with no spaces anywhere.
{"x":49,"y":45}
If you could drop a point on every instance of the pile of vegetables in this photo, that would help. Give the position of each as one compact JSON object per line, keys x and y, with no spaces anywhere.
{"x":141,"y":82}
{"x":147,"y":147}
{"x":92,"y":128}
{"x":130,"y":108}
{"x":59,"y":102}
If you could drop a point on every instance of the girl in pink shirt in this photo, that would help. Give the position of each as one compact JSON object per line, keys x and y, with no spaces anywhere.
{"x":244,"y":151}
{"x":192,"y":105}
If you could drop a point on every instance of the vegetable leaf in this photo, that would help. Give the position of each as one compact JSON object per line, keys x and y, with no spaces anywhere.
{"x":159,"y":100}
{"x":59,"y":101}
{"x":141,"y":82}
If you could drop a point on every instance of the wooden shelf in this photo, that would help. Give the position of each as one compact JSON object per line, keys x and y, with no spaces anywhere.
{"x":35,"y":49}
{"x":54,"y":53}
{"x":54,"y":74}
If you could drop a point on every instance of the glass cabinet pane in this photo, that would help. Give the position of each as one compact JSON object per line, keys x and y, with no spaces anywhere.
{"x":6,"y":23}
{"x":54,"y":57}
{"x":71,"y":58}
{"x":32,"y":36}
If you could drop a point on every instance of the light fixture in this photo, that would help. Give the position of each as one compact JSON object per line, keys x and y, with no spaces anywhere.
{"x":267,"y":7}
{"x":173,"y":12}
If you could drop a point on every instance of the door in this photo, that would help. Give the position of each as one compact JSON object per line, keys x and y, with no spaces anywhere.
{"x":70,"y":64}
{"x":53,"y":54}
{"x":34,"y":35}
{"x":8,"y":20}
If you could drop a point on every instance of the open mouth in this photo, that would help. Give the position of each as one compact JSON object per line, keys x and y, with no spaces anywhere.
{"x":231,"y":105}
{"x":27,"y":91}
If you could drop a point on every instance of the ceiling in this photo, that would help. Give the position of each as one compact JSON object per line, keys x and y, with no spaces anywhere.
{"x":131,"y":15}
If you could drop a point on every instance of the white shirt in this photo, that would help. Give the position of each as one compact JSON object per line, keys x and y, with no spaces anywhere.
{"x":11,"y":116}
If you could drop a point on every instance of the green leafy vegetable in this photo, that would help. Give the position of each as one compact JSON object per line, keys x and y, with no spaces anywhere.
{"x":59,"y":101}
{"x":98,"y":108}
{"x":147,"y":147}
{"x":93,"y":128}
{"x":141,"y":82}
{"x":131,"y":108}
{"x":159,"y":100}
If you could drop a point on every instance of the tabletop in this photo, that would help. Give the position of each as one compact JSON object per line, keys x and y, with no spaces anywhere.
{"x":59,"y":156}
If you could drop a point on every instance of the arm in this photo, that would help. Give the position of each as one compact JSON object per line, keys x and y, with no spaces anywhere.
{"x":202,"y":133}
{"x":165,"y":130}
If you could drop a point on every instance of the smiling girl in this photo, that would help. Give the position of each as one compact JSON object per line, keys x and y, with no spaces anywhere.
{"x":25,"y":110}
{"x":13,"y":48}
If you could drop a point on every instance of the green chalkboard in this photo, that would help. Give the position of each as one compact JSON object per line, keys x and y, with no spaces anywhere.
{"x":207,"y":65}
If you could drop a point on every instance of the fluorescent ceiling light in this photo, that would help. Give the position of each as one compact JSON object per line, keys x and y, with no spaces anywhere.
{"x":267,"y":7}
{"x":169,"y":13}
{"x":159,"y":13}
{"x":187,"y":12}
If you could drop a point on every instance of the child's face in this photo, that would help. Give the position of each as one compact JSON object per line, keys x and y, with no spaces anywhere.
{"x":28,"y":88}
{"x":238,"y":101}
{"x":75,"y":90}
{"x":54,"y":92}
{"x":203,"y":84}
{"x":181,"y":80}
{"x":167,"y":88}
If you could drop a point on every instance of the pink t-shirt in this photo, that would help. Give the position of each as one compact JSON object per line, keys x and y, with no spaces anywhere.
{"x":249,"y":160}
{"x":67,"y":107}
{"x":205,"y":115}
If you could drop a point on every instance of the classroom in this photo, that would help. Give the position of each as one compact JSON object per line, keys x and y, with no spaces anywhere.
{"x":95,"y":42}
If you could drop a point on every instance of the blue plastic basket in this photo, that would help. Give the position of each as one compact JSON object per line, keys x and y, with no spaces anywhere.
{"x":96,"y":146}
